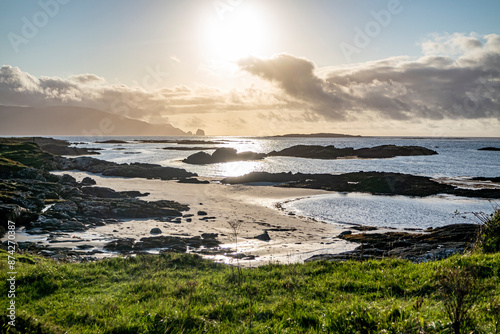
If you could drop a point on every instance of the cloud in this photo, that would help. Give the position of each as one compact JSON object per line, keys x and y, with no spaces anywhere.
{"x":296,"y":77}
{"x":457,"y":77}
{"x":86,"y":78}
{"x":19,"y":88}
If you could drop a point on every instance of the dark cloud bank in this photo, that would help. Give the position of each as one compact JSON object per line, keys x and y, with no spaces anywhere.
{"x":457,"y":78}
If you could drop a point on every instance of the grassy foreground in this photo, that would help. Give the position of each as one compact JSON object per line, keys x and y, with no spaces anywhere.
{"x":182,"y":293}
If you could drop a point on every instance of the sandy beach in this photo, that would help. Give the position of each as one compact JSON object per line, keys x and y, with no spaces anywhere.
{"x":299,"y":238}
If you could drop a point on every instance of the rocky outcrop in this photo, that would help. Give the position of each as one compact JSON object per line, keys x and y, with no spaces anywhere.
{"x":331,"y":152}
{"x":16,"y":156}
{"x":222,"y":155}
{"x":170,"y":243}
{"x":491,"y":179}
{"x":489,"y":149}
{"x":108,"y":168}
{"x":434,"y":244}
{"x":370,"y":182}
{"x":200,"y":132}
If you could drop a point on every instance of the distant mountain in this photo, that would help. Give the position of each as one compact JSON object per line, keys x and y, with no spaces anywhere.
{"x":316,"y":135}
{"x":76,"y":121}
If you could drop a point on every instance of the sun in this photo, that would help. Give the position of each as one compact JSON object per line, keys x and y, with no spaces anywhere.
{"x":240,"y":33}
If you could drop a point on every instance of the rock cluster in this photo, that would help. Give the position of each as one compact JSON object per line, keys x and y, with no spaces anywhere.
{"x":432,"y":245}
{"x":370,"y":182}
{"x":222,"y":155}
{"x":170,"y":243}
{"x":331,"y":152}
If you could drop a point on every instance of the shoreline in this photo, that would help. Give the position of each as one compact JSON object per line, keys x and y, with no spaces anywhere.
{"x":292,"y":238}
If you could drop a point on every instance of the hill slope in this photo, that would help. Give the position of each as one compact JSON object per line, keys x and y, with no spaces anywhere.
{"x":76,"y":121}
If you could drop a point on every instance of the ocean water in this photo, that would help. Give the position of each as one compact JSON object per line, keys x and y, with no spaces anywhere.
{"x":457,"y":159}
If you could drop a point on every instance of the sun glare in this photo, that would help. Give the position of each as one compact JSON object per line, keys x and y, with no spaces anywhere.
{"x":238,"y":34}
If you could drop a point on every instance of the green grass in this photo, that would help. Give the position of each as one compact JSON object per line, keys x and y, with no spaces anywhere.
{"x":19,"y":154}
{"x":181,"y":293}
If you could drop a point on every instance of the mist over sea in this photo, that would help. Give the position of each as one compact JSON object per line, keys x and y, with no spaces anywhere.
{"x":458,"y":160}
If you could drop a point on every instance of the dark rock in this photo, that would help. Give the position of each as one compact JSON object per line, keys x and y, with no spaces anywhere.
{"x":72,"y":226}
{"x":108,"y":168}
{"x":492,"y":179}
{"x":120,"y":245}
{"x":439,"y":243}
{"x":263,"y":237}
{"x":331,"y":152}
{"x":68,"y":179}
{"x":133,"y":193}
{"x":202,"y":213}
{"x":101,"y":192}
{"x":155,"y":230}
{"x":173,"y":243}
{"x":84,"y":246}
{"x":112,"y":141}
{"x":345,"y":233}
{"x":18,"y":215}
{"x":489,"y":149}
{"x":209,"y":235}
{"x":193,"y":180}
{"x":383,"y":183}
{"x":364,"y":228}
{"x":87,"y":181}
{"x":224,"y":154}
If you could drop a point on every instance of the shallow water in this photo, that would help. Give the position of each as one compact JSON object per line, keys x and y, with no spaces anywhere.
{"x":390,"y":211}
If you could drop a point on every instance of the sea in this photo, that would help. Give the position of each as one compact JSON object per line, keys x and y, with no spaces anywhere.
{"x":457,"y":161}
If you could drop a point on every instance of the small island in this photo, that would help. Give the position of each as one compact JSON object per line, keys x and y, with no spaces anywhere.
{"x":222,"y":155}
{"x":315,"y":135}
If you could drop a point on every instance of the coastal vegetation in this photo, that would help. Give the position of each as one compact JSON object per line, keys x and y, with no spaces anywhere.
{"x":182,"y":293}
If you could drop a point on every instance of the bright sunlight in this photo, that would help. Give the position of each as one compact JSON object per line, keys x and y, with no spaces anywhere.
{"x":238,"y":34}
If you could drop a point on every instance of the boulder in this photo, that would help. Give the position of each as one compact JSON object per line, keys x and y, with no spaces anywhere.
{"x":155,"y":230}
{"x":87,"y":181}
{"x":263,"y":237}
{"x":120,"y":245}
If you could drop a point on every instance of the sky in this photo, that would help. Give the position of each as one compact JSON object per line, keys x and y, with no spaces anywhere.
{"x":256,"y":67}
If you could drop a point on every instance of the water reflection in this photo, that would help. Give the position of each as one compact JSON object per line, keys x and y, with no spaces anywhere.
{"x":238,"y":168}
